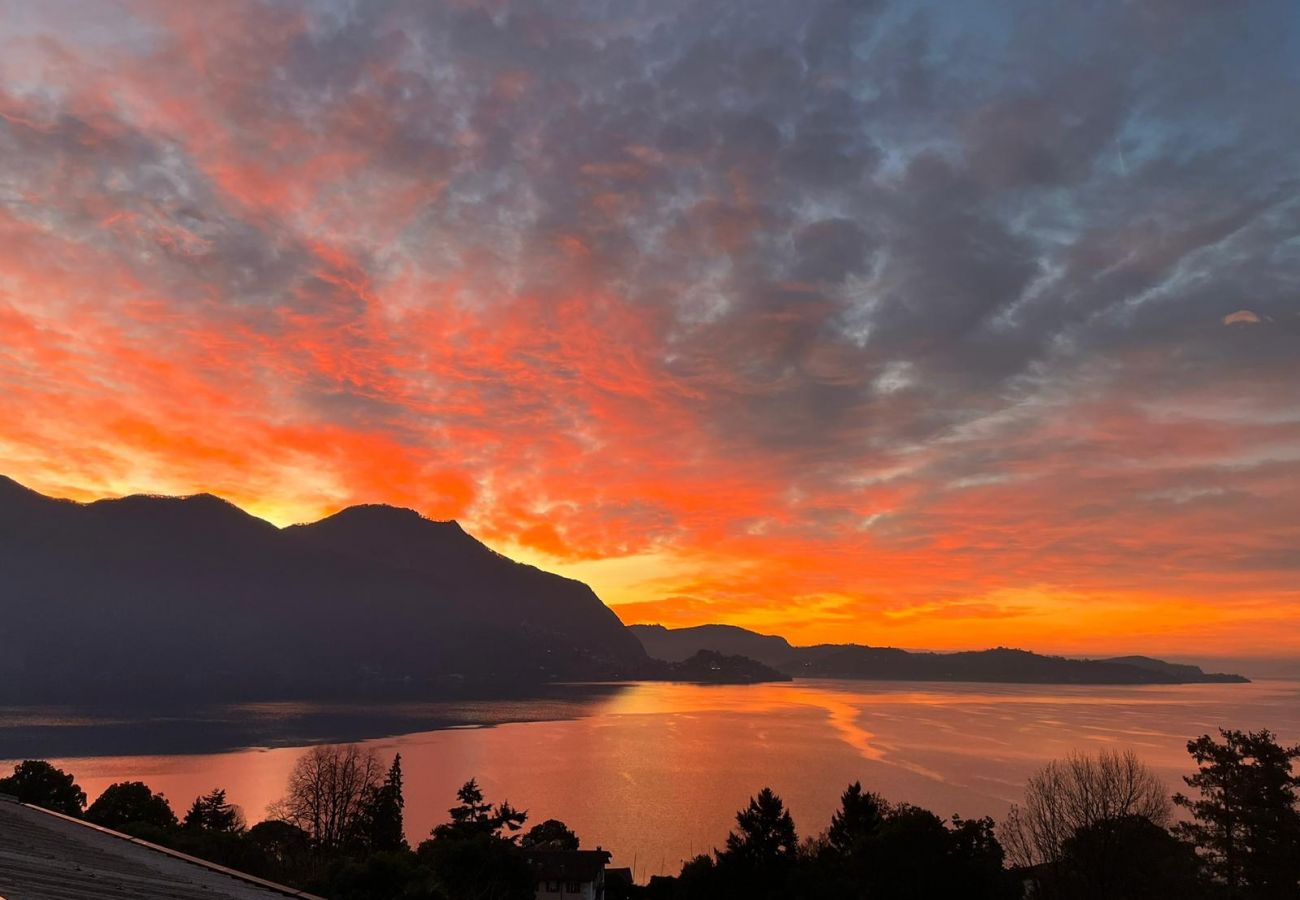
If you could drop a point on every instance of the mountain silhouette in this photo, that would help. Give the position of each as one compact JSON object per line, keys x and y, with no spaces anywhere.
{"x":855,"y":661}
{"x":679,"y":644}
{"x":144,"y":596}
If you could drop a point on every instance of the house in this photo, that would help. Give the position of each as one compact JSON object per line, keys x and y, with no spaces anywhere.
{"x":618,"y":883}
{"x":568,"y":874}
{"x":48,"y":856}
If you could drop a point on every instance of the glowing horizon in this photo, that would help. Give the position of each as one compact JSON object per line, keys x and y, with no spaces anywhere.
{"x":884,"y":323}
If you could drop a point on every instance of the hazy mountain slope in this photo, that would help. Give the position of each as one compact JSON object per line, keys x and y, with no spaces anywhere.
{"x":855,"y":661}
{"x":149,"y":596}
{"x":678,"y":644}
{"x":996,"y":665}
{"x":489,"y":587}
{"x":1181,"y":671}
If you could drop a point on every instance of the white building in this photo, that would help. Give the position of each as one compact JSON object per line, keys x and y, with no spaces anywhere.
{"x":568,"y":874}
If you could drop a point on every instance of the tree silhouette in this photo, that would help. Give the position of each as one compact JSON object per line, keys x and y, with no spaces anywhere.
{"x":381,"y":812}
{"x":1141,"y":860}
{"x":760,"y":856}
{"x":550,"y":835}
{"x":211,"y":812}
{"x":129,"y":803}
{"x":699,"y":880}
{"x":37,"y":782}
{"x":328,"y":792}
{"x":473,"y":813}
{"x":909,"y":856}
{"x":1094,"y":792}
{"x":472,"y":856}
{"x":474,"y":816}
{"x":1246,"y":821}
{"x":765,"y":832}
{"x":283,"y":843}
{"x":860,"y":815}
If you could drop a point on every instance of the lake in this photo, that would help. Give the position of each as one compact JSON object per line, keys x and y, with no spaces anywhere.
{"x":654,"y":772}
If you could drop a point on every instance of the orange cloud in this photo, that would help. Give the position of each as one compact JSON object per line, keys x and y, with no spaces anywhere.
{"x":234,"y":262}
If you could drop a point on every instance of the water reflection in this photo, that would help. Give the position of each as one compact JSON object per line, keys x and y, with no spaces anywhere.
{"x":655,"y":771}
{"x":122,"y":731}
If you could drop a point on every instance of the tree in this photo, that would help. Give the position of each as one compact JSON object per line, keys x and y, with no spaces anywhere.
{"x":387,"y":875}
{"x":761,"y":854}
{"x":908,"y":857}
{"x":1081,"y":792}
{"x":860,"y":814}
{"x":328,"y":792}
{"x":1246,"y":822}
{"x":550,"y":835}
{"x":699,"y":880}
{"x":477,"y":866}
{"x":212,"y":813}
{"x":37,"y":782}
{"x":875,"y":849}
{"x":474,"y":856}
{"x":475,"y":816}
{"x":977,"y":859}
{"x":130,"y":803}
{"x":283,"y":843}
{"x":381,"y":812}
{"x":765,"y":832}
{"x":1141,"y":860}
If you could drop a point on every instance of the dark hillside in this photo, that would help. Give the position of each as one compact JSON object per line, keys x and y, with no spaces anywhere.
{"x":147,"y":596}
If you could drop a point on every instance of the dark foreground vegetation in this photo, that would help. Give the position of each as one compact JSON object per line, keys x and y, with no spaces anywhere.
{"x":1090,"y":828}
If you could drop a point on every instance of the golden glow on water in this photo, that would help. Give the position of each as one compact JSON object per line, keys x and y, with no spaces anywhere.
{"x":655,"y":772}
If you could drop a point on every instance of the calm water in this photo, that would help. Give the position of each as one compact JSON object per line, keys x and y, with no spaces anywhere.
{"x":655,"y":772}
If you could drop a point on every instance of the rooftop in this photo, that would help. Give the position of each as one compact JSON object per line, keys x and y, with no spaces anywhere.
{"x":48,"y":856}
{"x":566,"y":865}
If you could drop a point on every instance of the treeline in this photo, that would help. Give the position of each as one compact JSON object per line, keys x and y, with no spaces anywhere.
{"x":1099,"y":827}
{"x":338,"y":831}
{"x":1096,"y":827}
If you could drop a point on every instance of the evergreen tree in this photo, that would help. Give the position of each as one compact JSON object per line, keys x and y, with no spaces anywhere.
{"x":211,"y":812}
{"x":472,"y":857}
{"x":475,"y":816}
{"x":875,"y":849}
{"x":1246,"y":822}
{"x":860,"y":814}
{"x":765,"y":833}
{"x":381,"y":818}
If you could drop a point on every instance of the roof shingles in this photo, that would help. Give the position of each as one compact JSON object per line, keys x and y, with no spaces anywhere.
{"x":47,"y":856}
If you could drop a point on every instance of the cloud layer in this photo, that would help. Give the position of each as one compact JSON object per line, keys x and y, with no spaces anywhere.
{"x":891,"y":322}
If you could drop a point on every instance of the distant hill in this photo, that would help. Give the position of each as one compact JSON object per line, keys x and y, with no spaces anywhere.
{"x":1181,"y":671}
{"x":151,"y":596}
{"x":677,"y":644}
{"x":855,"y":661}
{"x":710,"y":667}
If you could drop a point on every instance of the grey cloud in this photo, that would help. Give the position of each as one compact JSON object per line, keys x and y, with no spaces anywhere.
{"x":996,"y":196}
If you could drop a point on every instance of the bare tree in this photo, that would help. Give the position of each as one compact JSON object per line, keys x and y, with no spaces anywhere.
{"x":1080,"y":792}
{"x":328,"y":791}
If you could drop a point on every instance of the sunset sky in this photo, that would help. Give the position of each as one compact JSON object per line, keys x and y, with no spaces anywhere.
{"x":929,"y":324}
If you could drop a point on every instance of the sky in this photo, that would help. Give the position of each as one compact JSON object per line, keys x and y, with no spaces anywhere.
{"x":913,"y":323}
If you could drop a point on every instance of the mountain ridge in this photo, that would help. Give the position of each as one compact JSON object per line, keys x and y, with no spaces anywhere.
{"x":862,"y":662}
{"x":101,"y":598}
{"x":142,"y":596}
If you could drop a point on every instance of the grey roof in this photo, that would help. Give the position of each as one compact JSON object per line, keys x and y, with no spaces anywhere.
{"x":48,"y":856}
